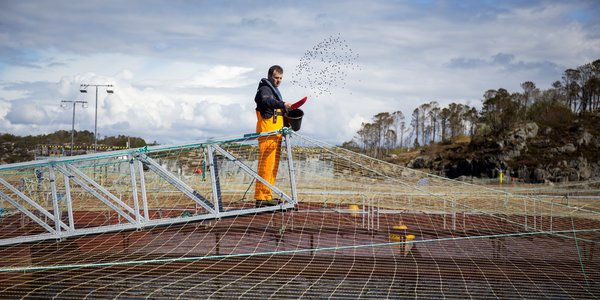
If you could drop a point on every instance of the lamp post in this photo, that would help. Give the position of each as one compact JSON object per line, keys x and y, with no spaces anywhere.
{"x":63,"y":104}
{"x":83,"y":89}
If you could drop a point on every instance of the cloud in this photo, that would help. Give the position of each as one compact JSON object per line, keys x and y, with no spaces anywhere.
{"x":4,"y":109}
{"x":27,"y":114}
{"x":189,"y":71}
{"x":220,"y":77}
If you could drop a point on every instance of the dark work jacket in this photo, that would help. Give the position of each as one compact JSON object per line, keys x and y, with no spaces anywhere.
{"x":268,"y":98}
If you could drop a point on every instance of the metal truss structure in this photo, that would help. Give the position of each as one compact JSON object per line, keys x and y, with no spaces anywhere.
{"x":54,"y":217}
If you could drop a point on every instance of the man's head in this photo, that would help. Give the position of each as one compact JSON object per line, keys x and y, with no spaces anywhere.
{"x":275,"y":75}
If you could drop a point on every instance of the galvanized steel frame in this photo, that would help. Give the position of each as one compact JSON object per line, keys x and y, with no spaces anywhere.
{"x":57,"y":229}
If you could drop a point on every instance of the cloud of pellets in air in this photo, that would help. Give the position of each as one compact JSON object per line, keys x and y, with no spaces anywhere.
{"x":325,"y":66}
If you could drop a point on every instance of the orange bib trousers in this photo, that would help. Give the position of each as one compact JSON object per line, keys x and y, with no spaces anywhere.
{"x":269,"y":148}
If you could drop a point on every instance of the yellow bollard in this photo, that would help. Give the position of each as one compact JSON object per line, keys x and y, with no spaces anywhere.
{"x":500,"y":177}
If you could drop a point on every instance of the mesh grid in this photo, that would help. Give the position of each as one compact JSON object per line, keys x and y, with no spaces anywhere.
{"x":363,"y":229}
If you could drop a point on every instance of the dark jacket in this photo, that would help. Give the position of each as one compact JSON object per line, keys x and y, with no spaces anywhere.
{"x":268,"y":98}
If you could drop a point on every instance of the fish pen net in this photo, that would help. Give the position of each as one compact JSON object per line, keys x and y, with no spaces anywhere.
{"x":361,"y":228}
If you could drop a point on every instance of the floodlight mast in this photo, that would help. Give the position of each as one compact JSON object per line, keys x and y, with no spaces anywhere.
{"x":73,"y":122}
{"x":83,"y":89}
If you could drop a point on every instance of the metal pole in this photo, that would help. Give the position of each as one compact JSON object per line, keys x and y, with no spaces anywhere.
{"x":73,"y":120}
{"x":96,"y":123}
{"x":73,"y":129}
{"x":83,"y":89}
{"x":291,"y":170}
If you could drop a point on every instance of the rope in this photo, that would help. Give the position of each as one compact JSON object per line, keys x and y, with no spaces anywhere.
{"x":579,"y":252}
{"x":246,"y":192}
{"x":269,"y":253}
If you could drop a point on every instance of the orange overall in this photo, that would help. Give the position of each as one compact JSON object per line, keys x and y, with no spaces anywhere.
{"x":269,"y":152}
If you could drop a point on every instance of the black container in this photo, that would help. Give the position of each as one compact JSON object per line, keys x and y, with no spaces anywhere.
{"x":293,"y":119}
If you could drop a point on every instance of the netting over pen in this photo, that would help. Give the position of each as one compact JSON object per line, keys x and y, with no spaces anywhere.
{"x":179,"y":222}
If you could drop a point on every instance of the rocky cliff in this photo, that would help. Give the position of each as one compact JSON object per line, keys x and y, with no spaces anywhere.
{"x":529,"y":153}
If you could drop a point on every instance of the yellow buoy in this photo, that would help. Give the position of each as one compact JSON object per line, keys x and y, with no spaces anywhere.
{"x":354,"y":208}
{"x":408,"y":246}
{"x":396,"y":236}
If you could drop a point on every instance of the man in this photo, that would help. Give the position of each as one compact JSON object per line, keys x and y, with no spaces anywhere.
{"x":269,"y":114}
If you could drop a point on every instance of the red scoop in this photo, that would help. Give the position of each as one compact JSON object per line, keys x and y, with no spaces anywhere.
{"x":298,"y":104}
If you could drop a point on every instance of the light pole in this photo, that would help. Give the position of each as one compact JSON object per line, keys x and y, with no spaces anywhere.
{"x":83,"y":89}
{"x":63,"y":104}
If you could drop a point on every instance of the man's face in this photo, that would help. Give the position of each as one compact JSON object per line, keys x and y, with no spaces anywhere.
{"x":276,"y":78}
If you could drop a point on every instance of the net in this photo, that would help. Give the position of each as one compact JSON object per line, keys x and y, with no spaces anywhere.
{"x":362,"y":228}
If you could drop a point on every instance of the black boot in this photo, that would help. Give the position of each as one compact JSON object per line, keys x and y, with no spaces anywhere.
{"x":265,"y":203}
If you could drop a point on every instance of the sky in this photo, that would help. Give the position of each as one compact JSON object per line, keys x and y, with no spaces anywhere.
{"x":187,"y":71}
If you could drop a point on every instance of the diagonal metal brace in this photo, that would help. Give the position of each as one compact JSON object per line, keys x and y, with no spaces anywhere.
{"x":27,"y":212}
{"x":31,"y":202}
{"x":252,"y":173}
{"x":66,"y":172}
{"x":176,"y":182}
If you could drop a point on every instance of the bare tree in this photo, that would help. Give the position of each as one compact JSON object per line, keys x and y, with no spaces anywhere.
{"x":572,"y":89}
{"x":383,"y":122}
{"x":399,"y":124}
{"x":590,"y":85}
{"x":471,"y":116}
{"x":425,"y":128}
{"x":368,"y":136}
{"x":444,"y":117}
{"x":530,"y":92}
{"x":390,"y":140}
{"x":415,"y":122}
{"x":434,"y":113}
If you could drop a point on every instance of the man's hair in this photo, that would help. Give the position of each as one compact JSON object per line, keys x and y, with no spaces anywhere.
{"x":275,"y":68}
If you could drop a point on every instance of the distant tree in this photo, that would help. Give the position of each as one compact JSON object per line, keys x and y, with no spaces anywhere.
{"x":383,"y":123}
{"x":471,"y":116}
{"x":586,"y":82}
{"x":456,"y":119}
{"x":122,"y":141}
{"x":530,"y":93}
{"x":572,"y":88}
{"x":352,"y":145}
{"x":444,"y":117}
{"x":403,"y":130}
{"x":433,"y":114}
{"x":415,"y":123}
{"x":369,"y":136}
{"x":7,"y":137}
{"x":595,"y":85}
{"x":547,"y":112}
{"x":554,"y":94}
{"x":425,"y":129}
{"x":398,"y":124}
{"x":499,"y":110}
{"x":590,"y":86}
{"x":390,"y":140}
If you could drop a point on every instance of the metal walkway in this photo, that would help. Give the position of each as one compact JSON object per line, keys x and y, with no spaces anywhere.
{"x":136,"y":188}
